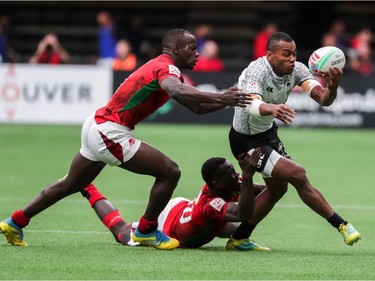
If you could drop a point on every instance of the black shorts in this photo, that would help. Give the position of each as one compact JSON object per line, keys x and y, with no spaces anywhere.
{"x":268,"y":141}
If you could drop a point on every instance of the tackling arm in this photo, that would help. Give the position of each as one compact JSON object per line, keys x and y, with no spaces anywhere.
{"x":245,"y":207}
{"x":203,"y":102}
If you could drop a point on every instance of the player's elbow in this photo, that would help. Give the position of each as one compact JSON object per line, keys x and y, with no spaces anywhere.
{"x":176,"y":91}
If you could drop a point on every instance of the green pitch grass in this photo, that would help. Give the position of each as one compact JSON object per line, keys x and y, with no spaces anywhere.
{"x":68,"y":242}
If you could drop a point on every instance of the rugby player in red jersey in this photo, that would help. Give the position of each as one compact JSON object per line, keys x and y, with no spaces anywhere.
{"x":225,"y":200}
{"x":107,"y":138}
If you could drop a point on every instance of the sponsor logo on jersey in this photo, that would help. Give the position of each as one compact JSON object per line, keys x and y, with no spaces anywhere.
{"x":217,"y":203}
{"x":131,"y":141}
{"x":174,"y":70}
{"x":252,"y":83}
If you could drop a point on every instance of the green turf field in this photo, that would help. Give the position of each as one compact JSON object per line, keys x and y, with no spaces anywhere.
{"x":68,"y":242}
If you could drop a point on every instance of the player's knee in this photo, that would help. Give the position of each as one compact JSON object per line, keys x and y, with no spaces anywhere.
{"x":298,"y":176}
{"x":174,"y":173}
{"x":57,"y":191}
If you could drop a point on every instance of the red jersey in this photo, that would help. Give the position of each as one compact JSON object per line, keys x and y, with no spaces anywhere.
{"x":195,"y":223}
{"x":50,"y":57}
{"x":209,"y":65}
{"x":140,"y":94}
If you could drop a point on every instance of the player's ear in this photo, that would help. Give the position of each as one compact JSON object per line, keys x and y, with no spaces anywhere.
{"x":175,"y":50}
{"x":269,"y":54}
{"x":215,"y":183}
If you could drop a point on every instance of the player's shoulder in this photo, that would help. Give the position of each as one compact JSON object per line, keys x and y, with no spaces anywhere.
{"x":301,"y":71}
{"x":213,"y":203}
{"x":160,"y":60}
{"x":257,"y":67}
{"x":259,"y":63}
{"x":218,"y":203}
{"x":161,"y":66}
{"x":211,"y":200}
{"x":300,"y":65}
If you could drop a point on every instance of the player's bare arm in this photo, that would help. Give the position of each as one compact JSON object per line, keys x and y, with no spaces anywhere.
{"x":326,"y":96}
{"x":203,"y":102}
{"x":245,"y":207}
{"x":282,"y":112}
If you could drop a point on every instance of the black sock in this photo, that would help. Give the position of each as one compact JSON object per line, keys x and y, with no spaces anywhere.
{"x":336,"y":220}
{"x":243,"y":231}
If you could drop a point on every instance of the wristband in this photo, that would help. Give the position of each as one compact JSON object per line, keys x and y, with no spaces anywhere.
{"x":312,"y":84}
{"x":253,"y":108}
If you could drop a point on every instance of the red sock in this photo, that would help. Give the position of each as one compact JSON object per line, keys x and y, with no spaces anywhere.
{"x":111,"y":219}
{"x":146,"y":226}
{"x":92,"y":194}
{"x":20,"y":219}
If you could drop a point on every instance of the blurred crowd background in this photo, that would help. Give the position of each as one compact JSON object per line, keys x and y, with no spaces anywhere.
{"x":125,"y":34}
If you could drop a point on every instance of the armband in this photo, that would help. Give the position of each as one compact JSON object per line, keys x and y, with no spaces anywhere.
{"x":253,"y":108}
{"x":310,"y":85}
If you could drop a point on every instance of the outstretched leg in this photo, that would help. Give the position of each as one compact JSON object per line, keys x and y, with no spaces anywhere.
{"x":108,"y":214}
{"x":313,"y":198}
{"x":82,"y":172}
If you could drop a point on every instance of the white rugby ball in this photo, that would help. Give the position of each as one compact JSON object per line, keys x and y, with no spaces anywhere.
{"x":322,"y":59}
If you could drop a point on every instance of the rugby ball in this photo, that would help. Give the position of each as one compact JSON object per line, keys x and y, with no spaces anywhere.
{"x":322,"y":59}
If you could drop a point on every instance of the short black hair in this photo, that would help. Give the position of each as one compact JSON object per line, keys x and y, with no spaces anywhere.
{"x":210,"y":169}
{"x":276,"y":38}
{"x":173,"y":36}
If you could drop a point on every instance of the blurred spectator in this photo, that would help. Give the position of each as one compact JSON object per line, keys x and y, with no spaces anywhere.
{"x":107,"y":38}
{"x":7,"y":54}
{"x":202,"y":32}
{"x":4,"y":21}
{"x":336,"y":36}
{"x":140,"y":46}
{"x":50,"y":51}
{"x":125,"y":59}
{"x":209,"y":58}
{"x":360,"y":52}
{"x":261,"y":39}
{"x":133,"y":33}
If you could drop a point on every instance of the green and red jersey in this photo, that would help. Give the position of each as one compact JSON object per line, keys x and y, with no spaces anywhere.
{"x":140,"y":94}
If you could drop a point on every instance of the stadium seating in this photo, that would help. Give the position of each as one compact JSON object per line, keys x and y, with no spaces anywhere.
{"x":234,"y":23}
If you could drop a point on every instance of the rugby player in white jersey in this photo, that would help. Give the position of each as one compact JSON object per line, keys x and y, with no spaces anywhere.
{"x":270,"y":80}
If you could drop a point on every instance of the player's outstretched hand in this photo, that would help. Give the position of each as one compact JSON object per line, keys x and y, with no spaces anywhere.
{"x":333,"y":77}
{"x":234,"y":97}
{"x":283,"y":112}
{"x":248,"y":161}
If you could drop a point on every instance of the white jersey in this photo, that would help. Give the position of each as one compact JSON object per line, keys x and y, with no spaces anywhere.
{"x":259,"y":78}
